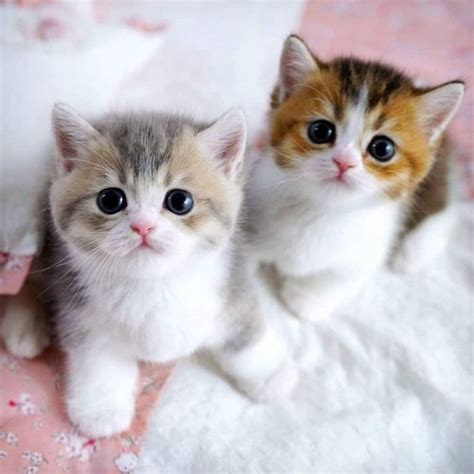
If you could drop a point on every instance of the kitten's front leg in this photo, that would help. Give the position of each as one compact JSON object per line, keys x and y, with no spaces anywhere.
{"x":101,"y":386}
{"x":261,"y":365}
{"x":314,"y":298}
{"x":251,"y":351}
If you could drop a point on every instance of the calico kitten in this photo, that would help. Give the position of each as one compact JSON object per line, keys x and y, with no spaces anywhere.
{"x":144,"y":212}
{"x":357,"y":151}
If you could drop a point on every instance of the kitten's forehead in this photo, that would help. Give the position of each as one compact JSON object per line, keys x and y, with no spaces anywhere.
{"x":145,"y":143}
{"x":373,"y":82}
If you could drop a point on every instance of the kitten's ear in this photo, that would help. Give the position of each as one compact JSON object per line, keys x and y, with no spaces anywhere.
{"x":225,"y":139}
{"x":296,"y":62}
{"x":438,"y":106}
{"x":72,"y":134}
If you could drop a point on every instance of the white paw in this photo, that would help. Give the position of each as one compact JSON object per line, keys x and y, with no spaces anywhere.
{"x":24,"y":330}
{"x":278,"y":386}
{"x":103,"y":420}
{"x":407,"y":260}
{"x":301,"y":304}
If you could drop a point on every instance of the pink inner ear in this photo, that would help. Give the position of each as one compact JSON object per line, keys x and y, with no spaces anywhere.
{"x":67,"y":166}
{"x":66,"y":150}
{"x":435,"y":121}
{"x":287,"y":71}
{"x":65,"y":144}
{"x":229,"y":155}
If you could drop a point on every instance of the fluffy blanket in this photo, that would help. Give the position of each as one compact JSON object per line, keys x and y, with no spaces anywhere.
{"x":386,"y":386}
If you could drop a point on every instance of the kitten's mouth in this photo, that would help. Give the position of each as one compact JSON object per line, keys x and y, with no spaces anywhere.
{"x":145,"y":245}
{"x":339,"y":178}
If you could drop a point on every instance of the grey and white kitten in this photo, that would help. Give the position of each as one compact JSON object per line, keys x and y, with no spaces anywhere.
{"x":144,"y":212}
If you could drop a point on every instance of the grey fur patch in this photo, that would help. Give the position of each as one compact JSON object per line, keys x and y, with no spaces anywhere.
{"x":64,"y":288}
{"x":143,"y":141}
{"x":71,"y":209}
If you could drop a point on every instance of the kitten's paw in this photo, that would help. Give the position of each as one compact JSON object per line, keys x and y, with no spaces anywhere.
{"x":101,"y":421}
{"x":407,"y":259}
{"x":278,"y":386}
{"x":300,"y":304}
{"x":24,"y":328}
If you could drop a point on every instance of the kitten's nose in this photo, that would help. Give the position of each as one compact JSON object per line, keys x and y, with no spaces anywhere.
{"x":342,"y":165}
{"x":142,"y":228}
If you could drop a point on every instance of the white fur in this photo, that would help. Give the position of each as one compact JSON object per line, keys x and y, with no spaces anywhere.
{"x":327,"y":234}
{"x":325,"y":239}
{"x":389,"y":377}
{"x":158,"y":319}
{"x":424,"y":243}
{"x":154,"y":304}
{"x":263,"y":369}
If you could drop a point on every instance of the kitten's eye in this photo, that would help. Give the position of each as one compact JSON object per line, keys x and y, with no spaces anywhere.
{"x":111,"y":200}
{"x":321,"y":131}
{"x":381,"y":148}
{"x":179,"y":202}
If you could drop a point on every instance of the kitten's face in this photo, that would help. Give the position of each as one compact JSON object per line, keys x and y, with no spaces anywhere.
{"x":144,"y":193}
{"x":353,"y":128}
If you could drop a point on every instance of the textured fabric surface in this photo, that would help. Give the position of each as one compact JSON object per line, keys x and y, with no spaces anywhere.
{"x":35,"y":434}
{"x":386,"y":386}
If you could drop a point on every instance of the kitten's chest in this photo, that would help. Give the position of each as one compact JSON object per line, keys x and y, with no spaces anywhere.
{"x":305,"y":239}
{"x":162,"y":320}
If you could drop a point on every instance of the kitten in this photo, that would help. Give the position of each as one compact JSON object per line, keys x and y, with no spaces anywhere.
{"x":355,"y":146}
{"x":144,"y":212}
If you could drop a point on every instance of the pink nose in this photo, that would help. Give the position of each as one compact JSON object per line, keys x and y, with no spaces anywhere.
{"x":142,"y":228}
{"x":343,"y":166}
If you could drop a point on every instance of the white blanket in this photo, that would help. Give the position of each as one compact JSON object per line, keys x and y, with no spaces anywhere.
{"x":386,"y":386}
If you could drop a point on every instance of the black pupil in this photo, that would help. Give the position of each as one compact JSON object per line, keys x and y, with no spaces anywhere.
{"x":179,"y":201}
{"x":321,"y":131}
{"x":111,"y":200}
{"x":382,"y":149}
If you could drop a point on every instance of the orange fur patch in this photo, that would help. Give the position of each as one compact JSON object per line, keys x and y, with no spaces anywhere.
{"x":392,"y":110}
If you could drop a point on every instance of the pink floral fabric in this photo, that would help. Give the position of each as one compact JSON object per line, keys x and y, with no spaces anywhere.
{"x":431,"y":40}
{"x":35,"y":434}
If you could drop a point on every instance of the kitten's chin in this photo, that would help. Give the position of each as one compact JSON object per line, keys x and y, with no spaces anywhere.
{"x":144,"y":264}
{"x":345,"y":188}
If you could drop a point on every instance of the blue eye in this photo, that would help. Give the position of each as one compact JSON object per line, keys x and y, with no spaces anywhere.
{"x":111,"y":200}
{"x":179,"y":202}
{"x":381,"y":148}
{"x":321,"y":131}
